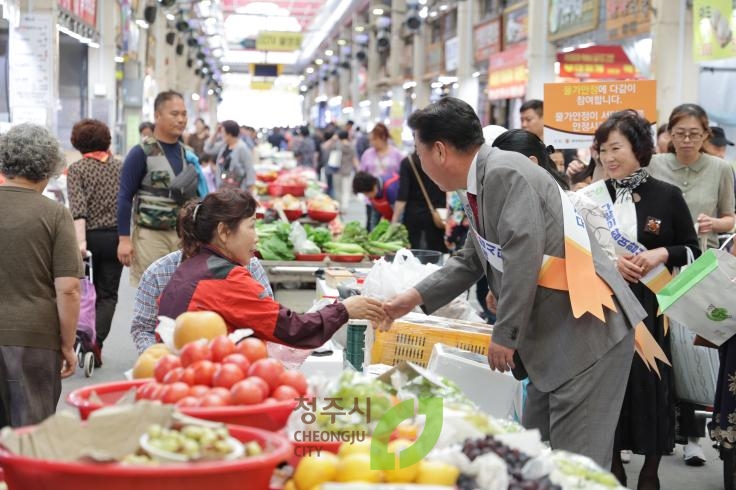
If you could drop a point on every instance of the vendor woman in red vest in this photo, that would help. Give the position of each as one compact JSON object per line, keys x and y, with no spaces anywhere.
{"x":380,"y":191}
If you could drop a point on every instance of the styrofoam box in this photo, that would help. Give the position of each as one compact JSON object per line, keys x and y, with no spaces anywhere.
{"x":497,"y":394}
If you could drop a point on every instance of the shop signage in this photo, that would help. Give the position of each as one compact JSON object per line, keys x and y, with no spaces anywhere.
{"x":452,"y":52}
{"x":570,"y":17}
{"x":278,"y":41}
{"x":433,"y":61}
{"x":516,"y":24}
{"x":86,"y":10}
{"x":713,"y":29}
{"x":487,"y":39}
{"x":573,"y":111}
{"x":30,"y":81}
{"x":627,"y":18}
{"x":262,"y":84}
{"x":508,"y":73}
{"x":605,"y":62}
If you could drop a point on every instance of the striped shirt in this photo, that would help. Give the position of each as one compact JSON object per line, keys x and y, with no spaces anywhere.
{"x":152,"y":284}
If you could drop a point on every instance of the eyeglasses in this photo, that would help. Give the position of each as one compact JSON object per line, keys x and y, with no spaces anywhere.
{"x":694,"y":136}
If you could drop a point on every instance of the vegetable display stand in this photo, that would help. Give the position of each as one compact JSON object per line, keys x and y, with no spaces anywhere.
{"x":355,"y":351}
{"x":253,"y":472}
{"x":267,"y":416}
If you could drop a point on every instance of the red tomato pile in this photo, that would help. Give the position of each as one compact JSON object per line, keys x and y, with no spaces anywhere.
{"x":222,"y":373}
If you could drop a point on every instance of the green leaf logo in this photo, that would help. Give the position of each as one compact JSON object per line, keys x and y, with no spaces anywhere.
{"x":381,"y":459}
{"x":717,"y":314}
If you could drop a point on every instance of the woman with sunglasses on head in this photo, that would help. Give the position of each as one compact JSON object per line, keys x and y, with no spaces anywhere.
{"x":218,"y":240}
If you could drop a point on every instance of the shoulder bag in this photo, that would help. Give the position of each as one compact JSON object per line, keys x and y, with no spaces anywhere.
{"x":438,"y":221}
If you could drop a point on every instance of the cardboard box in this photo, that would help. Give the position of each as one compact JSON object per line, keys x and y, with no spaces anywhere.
{"x":334,"y":277}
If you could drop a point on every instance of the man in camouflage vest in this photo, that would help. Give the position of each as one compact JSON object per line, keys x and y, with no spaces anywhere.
{"x":148,"y":171}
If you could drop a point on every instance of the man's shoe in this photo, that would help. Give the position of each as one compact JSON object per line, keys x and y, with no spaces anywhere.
{"x":625,"y":456}
{"x":693,"y":455}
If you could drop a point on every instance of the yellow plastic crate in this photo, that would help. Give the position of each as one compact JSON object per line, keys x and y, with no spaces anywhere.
{"x":413,"y":342}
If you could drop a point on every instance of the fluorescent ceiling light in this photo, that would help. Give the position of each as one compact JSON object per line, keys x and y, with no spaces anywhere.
{"x":443,"y":8}
{"x":309,"y":70}
{"x":359,"y":28}
{"x":170,"y":16}
{"x":119,"y":59}
{"x":329,"y":52}
{"x":476,"y":74}
{"x":447,"y":80}
{"x":226,"y":68}
{"x":378,"y":11}
{"x":142,"y":23}
{"x":195,"y":97}
{"x":341,"y":42}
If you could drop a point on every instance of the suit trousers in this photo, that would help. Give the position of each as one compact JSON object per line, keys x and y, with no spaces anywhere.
{"x":581,"y":415}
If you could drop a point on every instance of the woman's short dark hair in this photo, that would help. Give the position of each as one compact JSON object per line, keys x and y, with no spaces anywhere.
{"x":343,"y":135}
{"x":91,"y":135}
{"x":231,"y":127}
{"x":228,"y":206}
{"x":363,"y":182}
{"x":380,"y":131}
{"x":634,"y":127}
{"x":529,"y":144}
{"x":450,"y":120}
{"x":683,"y":111}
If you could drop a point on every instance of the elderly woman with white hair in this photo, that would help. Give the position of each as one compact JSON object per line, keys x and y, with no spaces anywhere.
{"x":40,"y":306}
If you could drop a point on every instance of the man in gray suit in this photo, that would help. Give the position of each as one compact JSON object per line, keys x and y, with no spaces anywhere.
{"x":577,"y":367}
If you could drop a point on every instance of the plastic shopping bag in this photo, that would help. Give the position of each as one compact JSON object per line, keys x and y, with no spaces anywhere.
{"x":702,"y":296}
{"x":87,"y":317}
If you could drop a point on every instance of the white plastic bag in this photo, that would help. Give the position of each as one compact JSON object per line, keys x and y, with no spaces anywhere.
{"x":387,"y":279}
{"x":302,"y":244}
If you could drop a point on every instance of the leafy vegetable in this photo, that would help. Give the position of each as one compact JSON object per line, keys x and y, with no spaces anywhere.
{"x":343,"y":248}
{"x":273,"y":248}
{"x":354,"y":233}
{"x":319,"y":235}
{"x":379,"y":230}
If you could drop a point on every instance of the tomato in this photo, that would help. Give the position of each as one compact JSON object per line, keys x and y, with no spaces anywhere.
{"x":246,"y":393}
{"x":144,"y":391}
{"x":195,"y":351}
{"x":187,"y":376}
{"x":221,"y":347}
{"x":268,"y":369}
{"x":164,"y":365}
{"x":295,"y":379}
{"x":156,"y":391}
{"x":261,"y":384}
{"x":212,"y":401}
{"x":198,"y":391}
{"x":227,"y":375}
{"x":270,"y":401}
{"x":221,"y":392}
{"x":285,"y":392}
{"x":173,"y":376}
{"x":175,"y":392}
{"x":188,"y":401}
{"x":239,"y":360}
{"x":203,"y":372}
{"x":252,"y":348}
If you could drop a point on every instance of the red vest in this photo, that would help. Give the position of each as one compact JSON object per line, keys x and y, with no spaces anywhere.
{"x":381,"y":204}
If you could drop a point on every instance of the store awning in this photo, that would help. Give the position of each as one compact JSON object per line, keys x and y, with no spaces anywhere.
{"x":597,"y":62}
{"x":508,"y":73}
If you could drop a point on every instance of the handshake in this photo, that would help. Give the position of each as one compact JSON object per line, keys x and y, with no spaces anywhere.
{"x":382,"y":314}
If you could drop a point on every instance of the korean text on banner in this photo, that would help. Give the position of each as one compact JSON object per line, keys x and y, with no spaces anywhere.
{"x":573,"y":111}
{"x":713,"y":30}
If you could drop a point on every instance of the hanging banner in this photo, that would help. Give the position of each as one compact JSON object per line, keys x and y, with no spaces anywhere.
{"x":627,"y":18}
{"x":604,"y":62}
{"x":573,"y":111}
{"x":713,"y":30}
{"x":452,"y":54}
{"x":570,"y":17}
{"x":278,"y":41}
{"x":515,"y":24}
{"x":487,"y":39}
{"x":85,"y":10}
{"x":508,"y":73}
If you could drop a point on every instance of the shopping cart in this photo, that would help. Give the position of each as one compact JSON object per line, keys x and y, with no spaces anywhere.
{"x":85,"y":344}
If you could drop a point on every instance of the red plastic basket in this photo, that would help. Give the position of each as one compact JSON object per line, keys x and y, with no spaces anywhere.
{"x":267,"y":416}
{"x":253,"y":472}
{"x":322,"y":216}
{"x":293,"y":214}
{"x":277,"y":190}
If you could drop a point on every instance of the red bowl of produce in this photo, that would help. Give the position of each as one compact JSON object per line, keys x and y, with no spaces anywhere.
{"x":322,"y":216}
{"x":267,"y":416}
{"x":310,"y":257}
{"x":293,"y":214}
{"x":346,"y":258}
{"x":25,"y":472}
{"x":277,"y":190}
{"x":267,"y":177}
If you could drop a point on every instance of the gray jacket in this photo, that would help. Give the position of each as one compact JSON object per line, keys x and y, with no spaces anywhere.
{"x":241,"y":162}
{"x":520,"y":209}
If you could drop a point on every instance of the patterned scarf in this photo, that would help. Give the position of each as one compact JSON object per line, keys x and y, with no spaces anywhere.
{"x":626,"y":186}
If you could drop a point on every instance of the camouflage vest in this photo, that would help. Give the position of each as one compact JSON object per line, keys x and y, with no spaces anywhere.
{"x":155,"y":208}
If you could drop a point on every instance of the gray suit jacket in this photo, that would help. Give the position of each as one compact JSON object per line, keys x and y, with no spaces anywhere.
{"x":520,"y":209}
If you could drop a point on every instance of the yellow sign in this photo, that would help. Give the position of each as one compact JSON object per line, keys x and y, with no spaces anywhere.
{"x":261,"y":84}
{"x":278,"y":41}
{"x":713,"y":27}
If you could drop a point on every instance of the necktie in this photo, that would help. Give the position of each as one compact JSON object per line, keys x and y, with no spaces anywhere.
{"x":473,"y":202}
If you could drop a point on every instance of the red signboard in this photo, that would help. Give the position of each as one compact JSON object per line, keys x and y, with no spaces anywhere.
{"x":86,"y":10}
{"x":597,"y":62}
{"x":508,"y":73}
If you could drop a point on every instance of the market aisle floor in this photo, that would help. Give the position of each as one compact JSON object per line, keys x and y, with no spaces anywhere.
{"x":120,"y":354}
